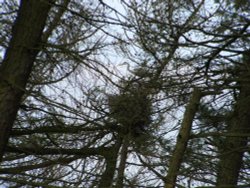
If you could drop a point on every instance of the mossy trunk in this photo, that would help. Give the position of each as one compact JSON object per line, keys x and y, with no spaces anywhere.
{"x":182,"y":139}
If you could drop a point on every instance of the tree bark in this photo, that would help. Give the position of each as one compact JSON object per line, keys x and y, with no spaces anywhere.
{"x":232,"y":151}
{"x":111,"y":160}
{"x":182,"y":139}
{"x":18,"y":61}
{"x":122,"y":165}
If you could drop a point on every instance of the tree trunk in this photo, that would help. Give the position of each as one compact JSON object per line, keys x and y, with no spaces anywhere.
{"x":122,"y":165}
{"x":182,"y":139}
{"x":232,"y":151}
{"x":111,"y":160}
{"x":18,"y":62}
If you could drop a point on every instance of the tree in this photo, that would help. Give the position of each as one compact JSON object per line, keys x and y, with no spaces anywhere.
{"x":173,"y":117}
{"x":182,"y":139}
{"x":18,"y":62}
{"x":231,"y":156}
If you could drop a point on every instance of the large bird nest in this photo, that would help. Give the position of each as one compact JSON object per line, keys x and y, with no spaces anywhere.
{"x":132,"y":110}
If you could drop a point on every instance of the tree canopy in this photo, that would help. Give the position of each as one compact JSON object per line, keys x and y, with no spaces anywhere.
{"x":130,"y":93}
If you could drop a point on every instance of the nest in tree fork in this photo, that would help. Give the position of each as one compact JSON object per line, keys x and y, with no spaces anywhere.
{"x":131,"y":110}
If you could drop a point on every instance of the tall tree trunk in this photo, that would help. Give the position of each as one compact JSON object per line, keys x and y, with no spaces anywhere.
{"x":18,"y":61}
{"x":182,"y":139}
{"x":122,"y":165}
{"x":111,"y":160}
{"x":232,"y":150}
